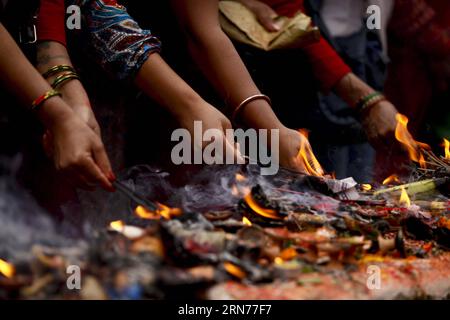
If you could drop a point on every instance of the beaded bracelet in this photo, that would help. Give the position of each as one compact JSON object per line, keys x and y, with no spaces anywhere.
{"x":247,"y":101}
{"x":64,"y":78}
{"x":57,"y":69}
{"x":36,"y":104}
{"x":369,"y":101}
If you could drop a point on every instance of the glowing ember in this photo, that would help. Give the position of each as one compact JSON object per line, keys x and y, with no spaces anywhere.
{"x":163,"y":211}
{"x":288,"y":254}
{"x":117,"y":225}
{"x":240,"y":177}
{"x":246,"y":222}
{"x":267,"y":213}
{"x":413,"y":147}
{"x":278,"y":260}
{"x":308,"y":158}
{"x":7,"y":269}
{"x":130,"y":232}
{"x":390,"y":179}
{"x":167,"y":212}
{"x":447,"y":149}
{"x":366,"y":187}
{"x":404,"y":199}
{"x":234,"y":270}
{"x":143,"y":213}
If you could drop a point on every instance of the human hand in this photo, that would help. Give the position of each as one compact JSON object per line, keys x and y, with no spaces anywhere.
{"x":380,"y":123}
{"x":78,"y":153}
{"x":264,"y":13}
{"x":213,"y":121}
{"x":296,"y":153}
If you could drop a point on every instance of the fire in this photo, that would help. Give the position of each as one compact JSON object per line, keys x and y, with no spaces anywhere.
{"x":234,"y":270}
{"x":390,"y":179}
{"x":118,"y":225}
{"x":307,"y":156}
{"x":246,"y":221}
{"x":413,"y":147}
{"x":240,"y":177}
{"x":447,"y":149}
{"x":404,"y":199}
{"x":278,"y":261}
{"x":366,"y":187}
{"x":267,"y":213}
{"x":288,"y":254}
{"x":163,"y":211}
{"x":7,"y":269}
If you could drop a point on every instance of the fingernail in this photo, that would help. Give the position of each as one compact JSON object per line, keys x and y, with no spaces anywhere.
{"x":111,"y":176}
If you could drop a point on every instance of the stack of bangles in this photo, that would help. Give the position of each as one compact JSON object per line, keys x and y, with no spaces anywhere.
{"x":64,"y":74}
{"x":246,"y":102}
{"x":367,"y":102}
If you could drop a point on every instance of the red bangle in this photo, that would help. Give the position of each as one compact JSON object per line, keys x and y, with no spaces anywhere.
{"x":40,"y":101}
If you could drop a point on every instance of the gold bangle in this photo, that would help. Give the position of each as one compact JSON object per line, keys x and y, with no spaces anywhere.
{"x":247,"y":101}
{"x":57,"y":69}
{"x":36,"y":104}
{"x":64,"y":78}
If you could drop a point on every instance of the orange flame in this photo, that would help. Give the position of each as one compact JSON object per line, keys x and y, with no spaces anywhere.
{"x":163,"y":211}
{"x":288,"y":254}
{"x":240,"y":177}
{"x":234,"y":270}
{"x":404,"y":199}
{"x":7,"y":269}
{"x":446,"y":146}
{"x":246,"y":221}
{"x":267,"y":213}
{"x":390,"y":179}
{"x":308,"y":158}
{"x":412,"y":146}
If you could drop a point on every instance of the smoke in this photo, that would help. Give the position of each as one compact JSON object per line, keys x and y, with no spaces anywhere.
{"x":23,"y":223}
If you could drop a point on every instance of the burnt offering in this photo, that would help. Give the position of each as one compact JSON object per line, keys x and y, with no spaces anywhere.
{"x":231,"y":233}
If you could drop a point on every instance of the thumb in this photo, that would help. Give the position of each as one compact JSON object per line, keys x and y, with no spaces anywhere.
{"x":233,"y":148}
{"x":102,"y":161}
{"x":267,"y":19}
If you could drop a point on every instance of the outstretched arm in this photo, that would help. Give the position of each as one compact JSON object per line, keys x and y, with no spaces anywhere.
{"x":77,"y":150}
{"x":220,"y":62}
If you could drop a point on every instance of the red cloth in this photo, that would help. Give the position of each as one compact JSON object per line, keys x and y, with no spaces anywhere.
{"x":286,"y":8}
{"x":51,"y":21}
{"x":327,"y":65}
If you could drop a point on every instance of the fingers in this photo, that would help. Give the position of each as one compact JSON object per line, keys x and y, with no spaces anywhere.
{"x":93,"y":174}
{"x":267,"y":19}
{"x":230,"y":146}
{"x":102,"y":160}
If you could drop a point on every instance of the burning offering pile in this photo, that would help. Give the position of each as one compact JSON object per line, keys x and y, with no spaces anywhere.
{"x":231,"y":233}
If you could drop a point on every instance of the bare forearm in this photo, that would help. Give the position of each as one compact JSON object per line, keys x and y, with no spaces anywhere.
{"x":50,"y":54}
{"x":351,"y":89}
{"x":216,"y":56}
{"x":158,"y":81}
{"x":22,"y":79}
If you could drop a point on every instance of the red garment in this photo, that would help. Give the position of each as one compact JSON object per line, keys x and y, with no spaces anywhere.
{"x":286,"y":8}
{"x":52,"y":20}
{"x":327,"y":65}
